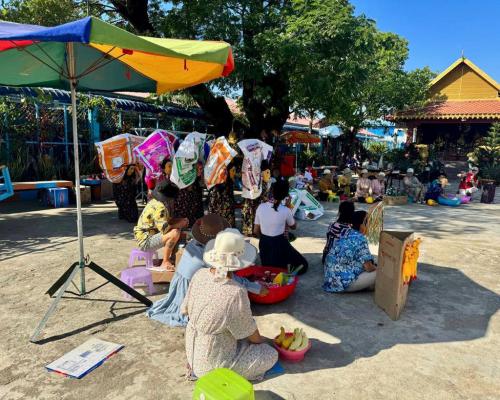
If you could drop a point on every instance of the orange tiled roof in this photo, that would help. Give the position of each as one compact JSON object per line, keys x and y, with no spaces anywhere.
{"x":459,"y":109}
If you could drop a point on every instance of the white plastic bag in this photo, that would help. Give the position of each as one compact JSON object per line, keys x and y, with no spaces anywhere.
{"x":186,"y":158}
{"x":254,"y":152}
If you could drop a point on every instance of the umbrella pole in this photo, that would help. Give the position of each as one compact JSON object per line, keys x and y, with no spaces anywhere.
{"x":74,"y":116}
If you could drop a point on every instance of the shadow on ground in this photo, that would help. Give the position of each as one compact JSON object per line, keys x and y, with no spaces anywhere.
{"x":443,"y":305}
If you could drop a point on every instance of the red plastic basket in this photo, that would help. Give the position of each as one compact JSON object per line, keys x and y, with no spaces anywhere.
{"x":276,"y":294}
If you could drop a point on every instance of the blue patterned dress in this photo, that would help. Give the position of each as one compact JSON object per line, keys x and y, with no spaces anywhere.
{"x":344,"y":262}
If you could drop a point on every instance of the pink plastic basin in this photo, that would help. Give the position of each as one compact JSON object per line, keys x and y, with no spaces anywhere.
{"x":291,"y":356}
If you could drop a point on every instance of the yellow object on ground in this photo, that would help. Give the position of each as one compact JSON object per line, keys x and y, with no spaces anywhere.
{"x":410,"y":261}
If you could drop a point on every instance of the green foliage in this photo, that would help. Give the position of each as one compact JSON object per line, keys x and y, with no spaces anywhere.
{"x":376,"y":149}
{"x":42,"y":12}
{"x":487,"y":154}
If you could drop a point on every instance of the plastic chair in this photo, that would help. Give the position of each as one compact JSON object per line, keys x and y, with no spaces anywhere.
{"x":137,"y":275}
{"x":147,"y":256}
{"x":223,"y":384}
{"x":6,"y":189}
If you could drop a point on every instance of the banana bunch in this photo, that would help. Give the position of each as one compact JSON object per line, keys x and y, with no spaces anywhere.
{"x":410,"y":261}
{"x":294,"y":342}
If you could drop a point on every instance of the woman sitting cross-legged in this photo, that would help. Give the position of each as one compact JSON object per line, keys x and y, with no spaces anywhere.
{"x":339,"y":227}
{"x":221,"y":332}
{"x":349,"y":265}
{"x":271,"y":219}
{"x":168,"y":309}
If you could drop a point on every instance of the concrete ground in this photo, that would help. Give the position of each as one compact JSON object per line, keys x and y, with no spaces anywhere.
{"x":445,"y":346}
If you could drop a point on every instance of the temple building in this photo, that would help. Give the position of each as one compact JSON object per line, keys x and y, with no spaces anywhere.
{"x":465,"y":101}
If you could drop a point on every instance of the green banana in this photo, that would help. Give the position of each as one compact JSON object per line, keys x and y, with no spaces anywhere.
{"x":305,"y":342}
{"x":297,"y":339}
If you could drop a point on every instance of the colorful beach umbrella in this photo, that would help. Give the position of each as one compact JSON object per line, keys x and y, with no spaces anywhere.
{"x":90,"y":54}
{"x":294,"y":137}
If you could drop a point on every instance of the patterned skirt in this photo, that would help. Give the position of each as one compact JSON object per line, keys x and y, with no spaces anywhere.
{"x":189,"y":203}
{"x":248,"y":215}
{"x":221,"y":202}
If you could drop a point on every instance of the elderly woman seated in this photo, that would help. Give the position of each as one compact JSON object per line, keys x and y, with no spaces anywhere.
{"x":168,"y":309}
{"x":363,"y":186}
{"x":349,"y":265}
{"x":413,"y":187}
{"x":221,"y":332}
{"x":377,"y":186}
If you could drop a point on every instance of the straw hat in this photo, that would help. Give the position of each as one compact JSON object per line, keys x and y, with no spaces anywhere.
{"x":327,"y":171}
{"x":229,"y":251}
{"x":347,"y":171}
{"x":207,"y":227}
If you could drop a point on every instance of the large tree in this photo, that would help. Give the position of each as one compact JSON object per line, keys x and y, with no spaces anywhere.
{"x":309,"y":56}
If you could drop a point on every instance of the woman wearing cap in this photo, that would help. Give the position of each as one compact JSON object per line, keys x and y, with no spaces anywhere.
{"x":168,"y":309}
{"x":413,"y":187}
{"x":363,"y":186}
{"x":221,"y":332}
{"x":271,"y":219}
{"x":349,"y":265}
{"x":325,"y":184}
{"x":156,"y":227}
{"x":345,"y":183}
{"x":378,"y":186}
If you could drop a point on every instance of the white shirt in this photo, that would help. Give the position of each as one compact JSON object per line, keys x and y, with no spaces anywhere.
{"x":272,"y":223}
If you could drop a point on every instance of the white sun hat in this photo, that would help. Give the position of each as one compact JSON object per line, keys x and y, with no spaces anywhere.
{"x":364,"y":171}
{"x":229,"y":251}
{"x":381,"y":174}
{"x":410,"y":171}
{"x":326,"y":172}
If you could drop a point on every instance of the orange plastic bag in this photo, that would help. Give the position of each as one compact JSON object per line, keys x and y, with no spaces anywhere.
{"x":220,"y":156}
{"x":116,"y":153}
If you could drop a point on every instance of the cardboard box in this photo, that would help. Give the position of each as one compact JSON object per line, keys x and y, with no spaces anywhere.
{"x":390,"y":291}
{"x":167,"y":276}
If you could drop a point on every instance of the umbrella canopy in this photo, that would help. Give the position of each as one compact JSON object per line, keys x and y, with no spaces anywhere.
{"x":90,"y":54}
{"x":107,"y":58}
{"x":294,"y":137}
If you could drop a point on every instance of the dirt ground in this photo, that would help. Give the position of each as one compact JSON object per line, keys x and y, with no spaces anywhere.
{"x":445,"y":346}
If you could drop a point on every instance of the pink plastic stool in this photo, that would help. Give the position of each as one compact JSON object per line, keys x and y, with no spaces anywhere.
{"x":136,"y":275}
{"x":147,"y":256}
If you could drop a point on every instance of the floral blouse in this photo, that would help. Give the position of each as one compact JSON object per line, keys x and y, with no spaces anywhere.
{"x":344,"y":262}
{"x":154,"y":219}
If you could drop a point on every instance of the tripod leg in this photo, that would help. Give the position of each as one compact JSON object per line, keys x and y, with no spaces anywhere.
{"x":55,"y":302}
{"x":115,"y":281}
{"x":57,"y":284}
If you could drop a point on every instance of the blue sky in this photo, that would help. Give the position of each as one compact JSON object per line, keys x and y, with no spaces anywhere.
{"x":438,"y":30}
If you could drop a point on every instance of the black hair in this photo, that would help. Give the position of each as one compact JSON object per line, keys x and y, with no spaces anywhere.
{"x":265,"y":165}
{"x":280,"y":192}
{"x":168,"y":189}
{"x":346,"y":210}
{"x":358,"y":218}
{"x":164,"y":162}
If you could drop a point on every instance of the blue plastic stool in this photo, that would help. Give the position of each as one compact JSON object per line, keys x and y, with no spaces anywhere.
{"x":223,"y":384}
{"x":6,"y":189}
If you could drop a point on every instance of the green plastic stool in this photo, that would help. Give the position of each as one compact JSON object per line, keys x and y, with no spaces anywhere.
{"x":223,"y":384}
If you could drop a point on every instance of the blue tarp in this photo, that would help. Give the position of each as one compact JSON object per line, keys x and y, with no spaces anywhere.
{"x":76,"y":31}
